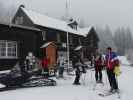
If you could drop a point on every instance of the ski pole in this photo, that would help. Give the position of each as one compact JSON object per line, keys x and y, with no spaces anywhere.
{"x":106,"y":79}
{"x":84,"y":77}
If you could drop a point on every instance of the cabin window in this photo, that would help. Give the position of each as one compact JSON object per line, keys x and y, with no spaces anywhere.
{"x":44,"y":35}
{"x":19,"y":20}
{"x":8,"y":49}
{"x":58,"y":38}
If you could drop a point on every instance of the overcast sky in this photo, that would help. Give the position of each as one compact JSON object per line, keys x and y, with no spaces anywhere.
{"x":114,"y":13}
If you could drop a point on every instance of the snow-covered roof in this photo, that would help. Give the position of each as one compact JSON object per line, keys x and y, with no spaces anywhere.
{"x":45,"y":45}
{"x":19,"y":26}
{"x":46,"y":21}
{"x":78,"y":48}
{"x":85,"y":31}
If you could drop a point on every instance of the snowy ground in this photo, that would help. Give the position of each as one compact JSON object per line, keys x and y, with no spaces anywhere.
{"x":66,"y":91}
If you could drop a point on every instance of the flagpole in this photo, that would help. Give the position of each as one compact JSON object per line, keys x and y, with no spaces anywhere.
{"x":67,"y":16}
{"x":68,"y":60}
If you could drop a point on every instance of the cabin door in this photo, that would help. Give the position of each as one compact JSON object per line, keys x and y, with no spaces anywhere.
{"x":51,"y":55}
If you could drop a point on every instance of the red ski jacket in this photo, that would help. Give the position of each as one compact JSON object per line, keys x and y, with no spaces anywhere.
{"x":98,"y":64}
{"x":44,"y":63}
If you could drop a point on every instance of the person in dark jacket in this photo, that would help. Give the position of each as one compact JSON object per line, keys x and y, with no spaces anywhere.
{"x":79,"y":69}
{"x":77,"y":73}
{"x":74,"y":60}
{"x":110,"y":61}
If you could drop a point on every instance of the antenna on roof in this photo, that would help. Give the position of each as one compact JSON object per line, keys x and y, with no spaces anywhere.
{"x":67,"y":10}
{"x":10,"y":15}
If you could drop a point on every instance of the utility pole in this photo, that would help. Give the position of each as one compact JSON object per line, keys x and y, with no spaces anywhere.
{"x":10,"y":13}
{"x":67,"y":18}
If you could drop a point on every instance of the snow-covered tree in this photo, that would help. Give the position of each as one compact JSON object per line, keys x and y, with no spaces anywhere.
{"x":123,"y":40}
{"x":106,"y":38}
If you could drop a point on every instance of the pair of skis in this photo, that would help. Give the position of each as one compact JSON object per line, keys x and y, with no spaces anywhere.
{"x":95,"y":85}
{"x":110,"y":93}
{"x":107,"y":93}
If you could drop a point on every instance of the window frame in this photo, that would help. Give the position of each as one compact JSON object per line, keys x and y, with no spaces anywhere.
{"x":10,"y":49}
{"x":58,"y":38}
{"x":19,"y":20}
{"x":44,"y":35}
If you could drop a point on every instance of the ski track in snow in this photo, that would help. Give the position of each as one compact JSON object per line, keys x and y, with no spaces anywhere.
{"x":66,"y":91}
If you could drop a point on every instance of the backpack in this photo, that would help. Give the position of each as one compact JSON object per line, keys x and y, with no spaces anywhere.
{"x":117,"y":70}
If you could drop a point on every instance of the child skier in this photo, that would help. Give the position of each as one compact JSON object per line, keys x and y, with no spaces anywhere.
{"x":79,"y":69}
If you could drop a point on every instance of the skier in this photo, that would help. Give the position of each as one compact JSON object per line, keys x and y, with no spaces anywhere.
{"x":30,"y":61}
{"x":79,"y":69}
{"x":44,"y":64}
{"x":92,"y":60}
{"x":111,"y":61}
{"x":61,"y":62}
{"x":74,"y":60}
{"x":98,"y":67}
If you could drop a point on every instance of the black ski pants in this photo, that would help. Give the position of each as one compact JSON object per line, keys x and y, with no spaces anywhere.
{"x":112,"y":79}
{"x":77,"y":78}
{"x":98,"y":75}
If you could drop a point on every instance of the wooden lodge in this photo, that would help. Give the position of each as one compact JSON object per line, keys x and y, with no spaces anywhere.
{"x":15,"y":43}
{"x":46,"y":36}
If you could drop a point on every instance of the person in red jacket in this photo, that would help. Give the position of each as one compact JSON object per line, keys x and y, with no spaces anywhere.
{"x":44,"y":64}
{"x":98,"y":68}
{"x":111,"y":60}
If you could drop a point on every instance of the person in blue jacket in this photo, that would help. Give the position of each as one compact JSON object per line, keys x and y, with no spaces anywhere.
{"x":110,"y":62}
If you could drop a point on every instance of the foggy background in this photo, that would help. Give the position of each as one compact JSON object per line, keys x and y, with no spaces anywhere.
{"x":113,"y":18}
{"x":114,"y":13}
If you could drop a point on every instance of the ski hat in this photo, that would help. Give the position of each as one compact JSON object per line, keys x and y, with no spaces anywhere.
{"x":30,"y":54}
{"x":109,"y":48}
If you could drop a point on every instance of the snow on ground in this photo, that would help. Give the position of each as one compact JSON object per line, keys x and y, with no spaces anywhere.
{"x":124,"y":60}
{"x":66,"y":91}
